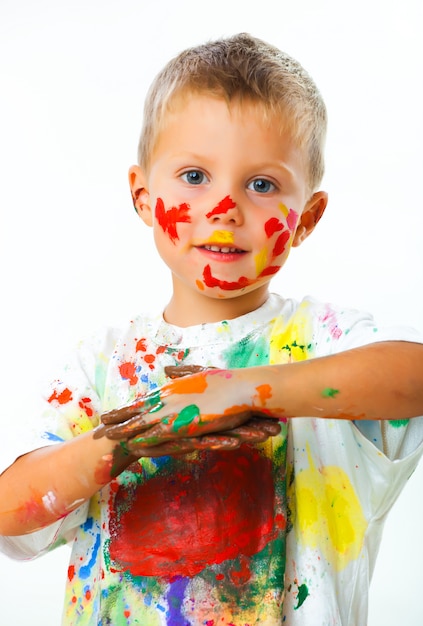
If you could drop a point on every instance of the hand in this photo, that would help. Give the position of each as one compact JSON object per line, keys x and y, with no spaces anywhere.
{"x":173,"y":412}
{"x":252,"y":431}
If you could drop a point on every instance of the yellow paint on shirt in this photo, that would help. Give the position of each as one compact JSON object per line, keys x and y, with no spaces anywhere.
{"x":327,"y":513}
{"x":291,"y":340}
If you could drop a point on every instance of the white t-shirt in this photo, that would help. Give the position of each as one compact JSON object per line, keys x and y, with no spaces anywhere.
{"x":284,"y":532}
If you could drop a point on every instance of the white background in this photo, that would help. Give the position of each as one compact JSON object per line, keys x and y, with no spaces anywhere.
{"x":74,"y":255}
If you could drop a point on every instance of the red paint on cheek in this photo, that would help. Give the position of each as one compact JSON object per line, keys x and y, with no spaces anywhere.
{"x":280,"y":244}
{"x":269,"y":271}
{"x":210,"y":281}
{"x":272,"y":226}
{"x":178,"y":523}
{"x":169,"y":219}
{"x":223,"y":207}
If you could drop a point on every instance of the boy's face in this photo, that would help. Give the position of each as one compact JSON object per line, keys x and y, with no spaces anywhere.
{"x":227,"y":197}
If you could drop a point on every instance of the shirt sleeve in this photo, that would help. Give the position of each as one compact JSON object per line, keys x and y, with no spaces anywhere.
{"x":337,"y":330}
{"x":71,"y":405}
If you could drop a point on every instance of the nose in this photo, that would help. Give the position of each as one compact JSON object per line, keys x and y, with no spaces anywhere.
{"x":225,"y":212}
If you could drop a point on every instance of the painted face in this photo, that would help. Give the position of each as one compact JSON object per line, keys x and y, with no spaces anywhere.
{"x":225,"y":195}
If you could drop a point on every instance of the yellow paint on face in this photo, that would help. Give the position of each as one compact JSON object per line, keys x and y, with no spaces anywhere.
{"x":221,"y":236}
{"x":284,"y":210}
{"x":261,"y":260}
{"x":327,"y":513}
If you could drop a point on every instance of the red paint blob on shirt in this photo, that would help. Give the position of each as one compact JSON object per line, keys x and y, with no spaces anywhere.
{"x":175,"y":527}
{"x":222,"y":208}
{"x":140,"y":346}
{"x":71,"y":572}
{"x":128,"y":372}
{"x":169,"y":219}
{"x":62,"y":398}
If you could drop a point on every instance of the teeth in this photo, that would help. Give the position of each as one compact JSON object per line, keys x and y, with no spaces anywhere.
{"x":219,"y":249}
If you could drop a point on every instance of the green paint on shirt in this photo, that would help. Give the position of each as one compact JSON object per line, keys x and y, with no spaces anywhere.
{"x":398,"y":423}
{"x":302,"y":595}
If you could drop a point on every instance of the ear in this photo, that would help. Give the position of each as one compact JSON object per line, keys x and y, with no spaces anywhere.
{"x":140,"y":195}
{"x":313,"y":211}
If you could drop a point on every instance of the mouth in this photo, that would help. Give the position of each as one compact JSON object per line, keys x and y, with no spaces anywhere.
{"x":222,"y":249}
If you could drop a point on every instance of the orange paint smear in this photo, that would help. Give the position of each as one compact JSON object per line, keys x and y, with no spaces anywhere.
{"x":264,"y":392}
{"x":190,"y":384}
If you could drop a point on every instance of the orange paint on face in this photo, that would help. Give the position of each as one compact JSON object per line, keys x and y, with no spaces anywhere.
{"x":222,"y":208}
{"x":169,"y":219}
{"x":200,"y":285}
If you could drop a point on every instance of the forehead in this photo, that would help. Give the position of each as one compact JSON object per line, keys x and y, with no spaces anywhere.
{"x":189,"y":106}
{"x":265,"y":113}
{"x":236,"y":138}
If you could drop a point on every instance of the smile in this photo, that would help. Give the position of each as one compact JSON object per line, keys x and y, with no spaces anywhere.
{"x":222,"y":249}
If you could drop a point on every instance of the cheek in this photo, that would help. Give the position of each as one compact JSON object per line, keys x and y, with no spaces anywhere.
{"x":291,"y":217}
{"x":168,"y":219}
{"x":278,"y":233}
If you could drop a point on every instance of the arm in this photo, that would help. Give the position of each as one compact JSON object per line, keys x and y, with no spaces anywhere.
{"x":383,"y":380}
{"x":46,"y":484}
{"x":379,"y":381}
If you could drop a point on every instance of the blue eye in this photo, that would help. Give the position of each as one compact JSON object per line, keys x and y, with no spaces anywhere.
{"x":194,"y":177}
{"x":261,"y":185}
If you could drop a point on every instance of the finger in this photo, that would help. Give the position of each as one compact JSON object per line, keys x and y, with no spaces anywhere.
{"x":249,"y":434}
{"x":268,"y":425}
{"x":150,"y":403}
{"x":180,"y":425}
{"x":130,"y":428}
{"x":185,"y":446}
{"x":177,"y":371}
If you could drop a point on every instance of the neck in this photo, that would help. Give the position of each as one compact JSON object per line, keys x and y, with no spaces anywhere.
{"x":190,"y":310}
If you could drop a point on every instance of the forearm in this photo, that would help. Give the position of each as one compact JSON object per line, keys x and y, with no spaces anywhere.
{"x":47,"y":484}
{"x":379,"y":381}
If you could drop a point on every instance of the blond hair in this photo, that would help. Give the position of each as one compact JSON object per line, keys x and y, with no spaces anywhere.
{"x":242,"y":68}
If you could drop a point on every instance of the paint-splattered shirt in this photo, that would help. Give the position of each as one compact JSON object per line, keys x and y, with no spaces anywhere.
{"x":284,"y":532}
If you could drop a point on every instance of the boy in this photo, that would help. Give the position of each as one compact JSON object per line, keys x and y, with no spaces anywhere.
{"x":189,"y":496}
